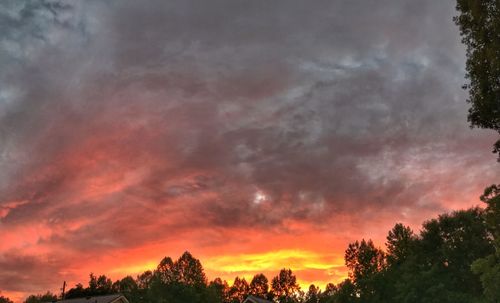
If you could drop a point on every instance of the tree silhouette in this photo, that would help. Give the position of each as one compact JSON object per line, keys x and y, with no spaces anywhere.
{"x":346,"y":292}
{"x":239,"y":290}
{"x":166,"y":271}
{"x":5,"y":300}
{"x":76,"y":292}
{"x":312,"y":295}
{"x":128,"y":287}
{"x":259,"y":286}
{"x":328,"y":295}
{"x":285,"y":287}
{"x":47,"y":297}
{"x":488,"y":268}
{"x":144,"y":279}
{"x":97,"y":286}
{"x":188,"y":270}
{"x":219,"y":290}
{"x":181,"y":281}
{"x":104,"y":285}
{"x":439,"y":268}
{"x":491,"y":197}
{"x":480,"y":28}
{"x":400,"y":241}
{"x":364,"y":262}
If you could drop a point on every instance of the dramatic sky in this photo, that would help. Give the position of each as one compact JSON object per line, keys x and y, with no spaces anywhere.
{"x":255,"y":134}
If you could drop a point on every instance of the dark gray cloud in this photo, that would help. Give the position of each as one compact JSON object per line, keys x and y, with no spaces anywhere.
{"x":122,"y":122}
{"x":18,"y":272}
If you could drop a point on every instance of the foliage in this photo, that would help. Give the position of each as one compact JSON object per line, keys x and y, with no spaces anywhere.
{"x":128,"y":287}
{"x":400,"y":242}
{"x":438,"y":268}
{"x":97,"y":286}
{"x":47,"y":297}
{"x":488,"y":268}
{"x":259,"y":286}
{"x":364,"y":262}
{"x":76,"y":292}
{"x":219,"y":290}
{"x":181,"y":281}
{"x":313,"y":294}
{"x":5,"y":299}
{"x":239,"y":290}
{"x":438,"y":265}
{"x":188,"y":270}
{"x":284,"y":287}
{"x":479,"y":23}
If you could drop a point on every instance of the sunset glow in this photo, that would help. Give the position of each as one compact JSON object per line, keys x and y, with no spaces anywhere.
{"x":256,"y":136}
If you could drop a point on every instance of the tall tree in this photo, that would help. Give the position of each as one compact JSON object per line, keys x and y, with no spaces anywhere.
{"x":128,"y":287}
{"x":239,"y":290}
{"x":92,"y":283}
{"x":400,"y":241}
{"x":5,"y":300}
{"x":76,"y":292}
{"x":313,"y":294}
{"x":479,"y":23}
{"x":285,"y":287}
{"x":259,"y":286}
{"x":166,"y":270}
{"x":219,"y":290}
{"x":440,"y":271}
{"x":364,"y":262}
{"x":181,"y":281}
{"x":328,"y":294}
{"x":47,"y":297}
{"x":363,"y":259}
{"x":491,"y":197}
{"x":97,"y":285}
{"x":346,"y":292}
{"x":104,"y":285}
{"x":488,"y":268}
{"x":144,"y":279}
{"x":188,"y":270}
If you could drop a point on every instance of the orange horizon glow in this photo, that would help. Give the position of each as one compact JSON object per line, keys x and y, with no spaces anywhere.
{"x":314,"y":253}
{"x":316,"y":258}
{"x":306,"y":265}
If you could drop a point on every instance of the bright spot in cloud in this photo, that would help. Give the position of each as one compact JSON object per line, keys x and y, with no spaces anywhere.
{"x":259,"y":197}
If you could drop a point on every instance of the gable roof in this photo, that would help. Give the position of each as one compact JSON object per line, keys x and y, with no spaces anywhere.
{"x":254,"y":299}
{"x":97,"y":299}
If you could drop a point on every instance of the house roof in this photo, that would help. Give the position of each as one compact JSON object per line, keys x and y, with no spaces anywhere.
{"x":254,"y":299}
{"x":97,"y":299}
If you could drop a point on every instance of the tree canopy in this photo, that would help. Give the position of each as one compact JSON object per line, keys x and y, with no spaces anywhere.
{"x":285,"y":287}
{"x":479,"y":23}
{"x":5,"y":299}
{"x":46,"y":297}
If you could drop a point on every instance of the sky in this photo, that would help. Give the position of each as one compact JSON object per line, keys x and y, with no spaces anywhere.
{"x":257,"y":135}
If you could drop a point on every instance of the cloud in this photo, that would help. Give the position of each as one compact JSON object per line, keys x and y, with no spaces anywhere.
{"x":132,"y":126}
{"x":18,"y":272}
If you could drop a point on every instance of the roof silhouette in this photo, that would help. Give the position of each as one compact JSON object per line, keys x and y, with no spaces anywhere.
{"x":254,"y":299}
{"x":96,"y":299}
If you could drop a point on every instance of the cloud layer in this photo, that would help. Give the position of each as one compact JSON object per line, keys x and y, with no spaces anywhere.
{"x":132,"y":130}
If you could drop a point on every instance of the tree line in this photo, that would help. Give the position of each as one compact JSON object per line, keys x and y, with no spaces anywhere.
{"x":454,"y":258}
